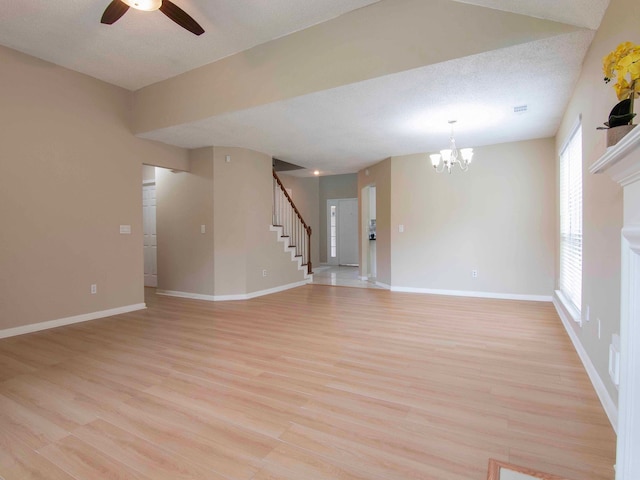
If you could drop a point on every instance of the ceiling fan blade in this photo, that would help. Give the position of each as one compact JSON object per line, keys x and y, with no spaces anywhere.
{"x":114,"y":11}
{"x":181,"y":17}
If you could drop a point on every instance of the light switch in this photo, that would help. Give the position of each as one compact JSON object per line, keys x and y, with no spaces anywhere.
{"x":203,"y":229}
{"x":401,"y":228}
{"x":125,"y":229}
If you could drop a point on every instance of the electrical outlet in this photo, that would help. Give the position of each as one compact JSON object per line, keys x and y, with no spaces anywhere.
{"x":94,"y":289}
{"x":264,"y":273}
{"x":587,"y":314}
{"x":474,"y":273}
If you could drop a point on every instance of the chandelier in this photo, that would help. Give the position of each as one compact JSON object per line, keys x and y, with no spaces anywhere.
{"x":452,"y":156}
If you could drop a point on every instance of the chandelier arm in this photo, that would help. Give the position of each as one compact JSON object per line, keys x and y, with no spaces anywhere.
{"x":453,"y":156}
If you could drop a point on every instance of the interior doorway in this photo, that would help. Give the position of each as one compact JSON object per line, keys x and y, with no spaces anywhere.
{"x":342,"y":231}
{"x":150,"y":249}
{"x":368,"y":268}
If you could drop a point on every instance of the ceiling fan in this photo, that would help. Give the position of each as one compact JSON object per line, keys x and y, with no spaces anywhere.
{"x":117,"y":8}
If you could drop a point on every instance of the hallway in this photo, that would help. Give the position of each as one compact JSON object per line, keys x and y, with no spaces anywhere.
{"x":341,"y":276}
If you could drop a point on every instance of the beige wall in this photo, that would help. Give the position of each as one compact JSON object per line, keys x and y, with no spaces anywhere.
{"x":229,"y":236}
{"x":332,"y":187}
{"x":184,"y":203}
{"x":631,"y":202}
{"x":233,"y":200}
{"x":243,"y":243}
{"x":148,"y":173}
{"x":380,"y":176}
{"x":310,"y":196}
{"x":306,"y":196}
{"x":602,"y":198}
{"x":71,"y":175}
{"x":363,"y":44}
{"x":498,"y":218}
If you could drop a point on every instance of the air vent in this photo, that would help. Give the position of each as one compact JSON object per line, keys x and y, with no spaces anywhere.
{"x":520,"y":109}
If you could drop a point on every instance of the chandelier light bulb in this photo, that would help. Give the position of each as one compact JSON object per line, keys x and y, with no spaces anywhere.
{"x":452,"y":156}
{"x":467,"y":154}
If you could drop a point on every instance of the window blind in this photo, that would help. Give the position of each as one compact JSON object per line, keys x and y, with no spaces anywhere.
{"x":571,"y":219}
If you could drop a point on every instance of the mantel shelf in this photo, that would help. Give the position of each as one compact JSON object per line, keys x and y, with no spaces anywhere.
{"x":622,"y":161}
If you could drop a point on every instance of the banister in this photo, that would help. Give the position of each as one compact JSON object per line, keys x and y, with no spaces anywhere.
{"x":291,"y":229}
{"x":284,"y":190}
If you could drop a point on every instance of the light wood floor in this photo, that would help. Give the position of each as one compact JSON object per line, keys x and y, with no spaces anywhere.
{"x":314,"y":383}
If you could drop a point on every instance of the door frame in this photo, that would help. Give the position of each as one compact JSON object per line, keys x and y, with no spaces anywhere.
{"x":335,"y":261}
{"x":149,"y":183}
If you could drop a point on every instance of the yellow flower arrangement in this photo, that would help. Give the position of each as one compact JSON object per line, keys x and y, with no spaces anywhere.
{"x":625,"y":61}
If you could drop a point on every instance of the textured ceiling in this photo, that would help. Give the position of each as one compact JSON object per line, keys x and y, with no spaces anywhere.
{"x":347,"y":128}
{"x":338,"y":130}
{"x":146,"y":47}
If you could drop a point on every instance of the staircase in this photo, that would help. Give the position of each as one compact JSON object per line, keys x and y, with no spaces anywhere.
{"x":290,"y":227}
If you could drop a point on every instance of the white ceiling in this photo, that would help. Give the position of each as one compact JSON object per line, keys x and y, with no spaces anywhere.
{"x":146,"y":47}
{"x":407,"y":112}
{"x":338,"y":130}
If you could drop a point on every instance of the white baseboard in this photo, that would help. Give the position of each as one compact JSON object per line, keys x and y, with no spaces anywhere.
{"x":85,"y":317}
{"x":383,"y":285}
{"x":466,"y":293}
{"x":241,"y":296}
{"x":192,"y":296}
{"x":609,"y":406}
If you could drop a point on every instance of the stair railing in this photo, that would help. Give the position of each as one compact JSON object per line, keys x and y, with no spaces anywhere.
{"x":287,"y":216}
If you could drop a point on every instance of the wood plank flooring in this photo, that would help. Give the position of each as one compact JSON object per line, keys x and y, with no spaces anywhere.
{"x":314,"y":383}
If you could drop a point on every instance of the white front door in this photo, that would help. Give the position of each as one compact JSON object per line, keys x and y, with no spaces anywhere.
{"x":150,"y":238}
{"x":342,"y":231}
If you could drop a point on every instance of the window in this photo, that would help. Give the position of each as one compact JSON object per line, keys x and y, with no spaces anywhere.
{"x":333,"y":235}
{"x":571,"y":221}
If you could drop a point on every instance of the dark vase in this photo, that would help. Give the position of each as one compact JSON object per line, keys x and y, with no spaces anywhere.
{"x":621,"y":114}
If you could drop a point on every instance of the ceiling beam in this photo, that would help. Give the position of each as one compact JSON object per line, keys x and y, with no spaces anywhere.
{"x":387,"y":37}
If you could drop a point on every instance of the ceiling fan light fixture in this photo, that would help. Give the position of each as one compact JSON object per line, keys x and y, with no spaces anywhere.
{"x":145,"y":5}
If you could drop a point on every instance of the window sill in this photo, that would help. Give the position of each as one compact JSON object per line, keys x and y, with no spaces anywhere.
{"x":570,"y":310}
